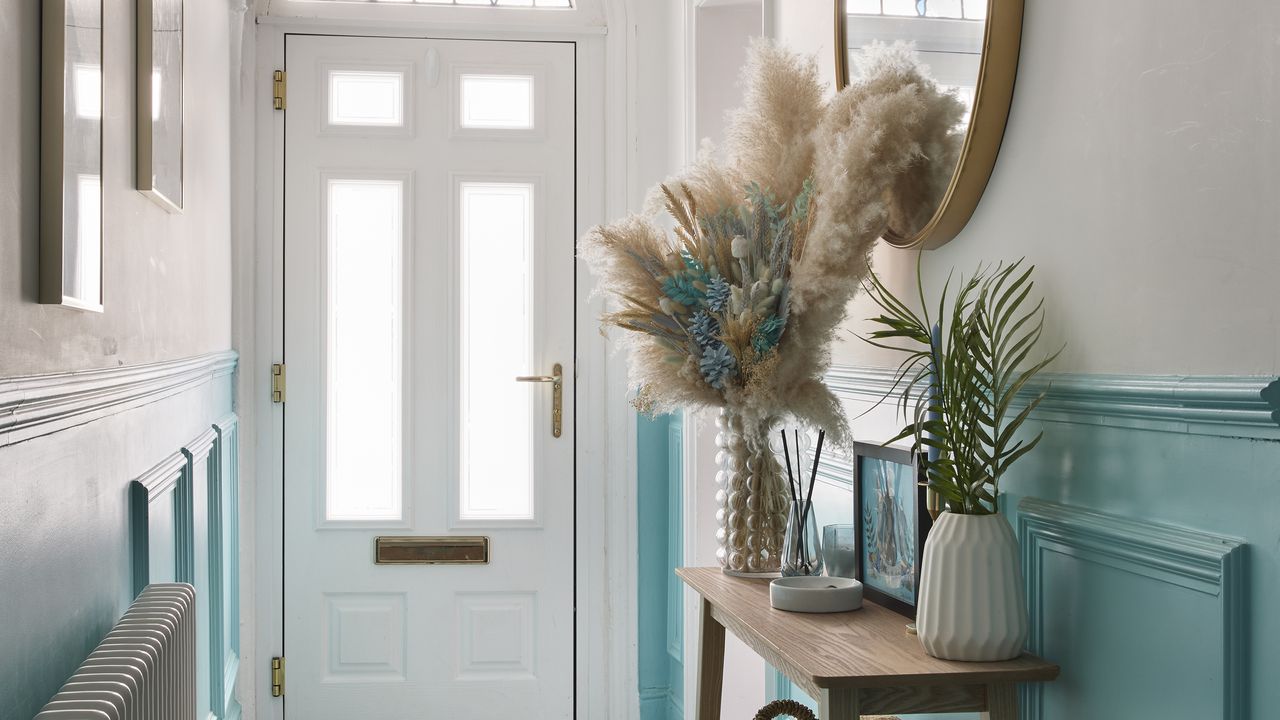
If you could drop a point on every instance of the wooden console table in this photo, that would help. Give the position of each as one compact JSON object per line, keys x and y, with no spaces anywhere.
{"x":854,"y":663}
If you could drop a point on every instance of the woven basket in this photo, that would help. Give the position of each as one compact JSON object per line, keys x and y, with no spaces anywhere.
{"x":793,"y":709}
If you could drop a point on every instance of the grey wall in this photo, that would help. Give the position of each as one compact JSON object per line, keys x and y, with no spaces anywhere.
{"x":167,"y":277}
{"x":1139,"y":171}
{"x":64,"y":563}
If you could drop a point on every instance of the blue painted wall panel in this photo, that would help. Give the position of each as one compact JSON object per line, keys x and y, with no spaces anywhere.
{"x":660,"y":634}
{"x":1131,"y":646}
{"x":1099,"y":620}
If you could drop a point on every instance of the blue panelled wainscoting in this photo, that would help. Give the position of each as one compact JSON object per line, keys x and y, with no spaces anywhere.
{"x":113,"y":479}
{"x":1149,"y":519}
{"x":660,"y":632}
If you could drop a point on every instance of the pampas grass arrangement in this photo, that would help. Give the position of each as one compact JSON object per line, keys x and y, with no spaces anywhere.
{"x":737,"y":308}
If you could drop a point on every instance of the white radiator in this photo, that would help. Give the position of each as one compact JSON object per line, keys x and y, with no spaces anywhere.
{"x":145,"y":669}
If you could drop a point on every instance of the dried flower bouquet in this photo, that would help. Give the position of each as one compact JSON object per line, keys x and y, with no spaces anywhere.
{"x":738,"y":306}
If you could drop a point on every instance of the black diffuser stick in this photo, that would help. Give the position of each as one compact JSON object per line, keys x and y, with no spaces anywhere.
{"x":800,"y":516}
{"x":813,"y":476}
{"x":793,"y":481}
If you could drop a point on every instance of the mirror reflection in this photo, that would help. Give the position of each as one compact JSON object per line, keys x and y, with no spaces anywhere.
{"x":962,"y":44}
{"x":82,"y":156}
{"x":947,"y":36}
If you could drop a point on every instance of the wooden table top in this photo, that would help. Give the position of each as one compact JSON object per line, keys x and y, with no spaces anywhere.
{"x":863,"y":648}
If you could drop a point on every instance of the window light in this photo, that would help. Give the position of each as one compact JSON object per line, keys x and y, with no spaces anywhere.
{"x":473,"y":3}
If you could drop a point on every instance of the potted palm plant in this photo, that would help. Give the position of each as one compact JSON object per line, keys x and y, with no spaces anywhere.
{"x":961,"y":389}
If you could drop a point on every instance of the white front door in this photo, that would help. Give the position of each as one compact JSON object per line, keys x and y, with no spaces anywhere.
{"x":429,"y":240}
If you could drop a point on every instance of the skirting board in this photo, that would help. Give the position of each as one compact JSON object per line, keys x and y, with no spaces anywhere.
{"x":1188,"y":560}
{"x":37,"y":405}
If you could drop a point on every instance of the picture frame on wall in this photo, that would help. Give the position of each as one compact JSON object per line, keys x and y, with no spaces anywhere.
{"x":892,"y":518}
{"x":160,"y":131}
{"x":71,"y":84}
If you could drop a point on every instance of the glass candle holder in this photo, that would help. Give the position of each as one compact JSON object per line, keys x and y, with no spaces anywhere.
{"x":839,"y":551}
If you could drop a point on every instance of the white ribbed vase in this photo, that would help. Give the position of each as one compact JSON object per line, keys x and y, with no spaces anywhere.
{"x":972,"y":603}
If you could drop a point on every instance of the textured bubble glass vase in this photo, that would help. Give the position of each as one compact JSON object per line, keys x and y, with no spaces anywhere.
{"x":752,"y":497}
{"x":972,"y":603}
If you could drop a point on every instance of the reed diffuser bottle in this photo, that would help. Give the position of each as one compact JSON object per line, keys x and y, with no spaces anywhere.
{"x":801,"y":547}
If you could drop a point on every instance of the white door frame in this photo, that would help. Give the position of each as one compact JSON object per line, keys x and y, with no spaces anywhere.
{"x":605,"y":541}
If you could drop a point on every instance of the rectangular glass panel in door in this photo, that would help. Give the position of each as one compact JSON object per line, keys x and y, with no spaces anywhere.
{"x":363,"y":458}
{"x":362,"y":97}
{"x":497,"y":101}
{"x":497,"y":245}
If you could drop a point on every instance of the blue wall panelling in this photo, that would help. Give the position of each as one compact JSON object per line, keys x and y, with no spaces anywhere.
{"x":1150,"y":539}
{"x":183,"y":518}
{"x":225,"y":566}
{"x":660,"y":611}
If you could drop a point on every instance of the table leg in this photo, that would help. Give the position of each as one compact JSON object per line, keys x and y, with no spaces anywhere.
{"x":1002,"y":702}
{"x":710,"y":665}
{"x":838,"y":704}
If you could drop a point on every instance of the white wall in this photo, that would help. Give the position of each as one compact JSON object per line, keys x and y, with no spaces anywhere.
{"x":1139,"y":171}
{"x":167,"y":277}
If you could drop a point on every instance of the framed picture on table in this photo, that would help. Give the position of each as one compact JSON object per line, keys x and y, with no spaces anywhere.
{"x":892,"y":518}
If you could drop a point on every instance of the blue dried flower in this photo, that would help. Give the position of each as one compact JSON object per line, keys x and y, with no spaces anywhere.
{"x":767,"y":334}
{"x":681,"y":288}
{"x":717,"y":365}
{"x":717,"y":294}
{"x":694,"y":268}
{"x":705,"y":328}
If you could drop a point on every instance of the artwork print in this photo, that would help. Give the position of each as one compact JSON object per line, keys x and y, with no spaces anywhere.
{"x":888,"y":526}
{"x":892,"y":522}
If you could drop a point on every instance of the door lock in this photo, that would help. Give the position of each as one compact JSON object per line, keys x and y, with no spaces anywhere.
{"x":556,"y":378}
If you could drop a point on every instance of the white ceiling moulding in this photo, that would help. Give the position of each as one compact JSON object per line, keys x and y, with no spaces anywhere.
{"x":37,"y":405}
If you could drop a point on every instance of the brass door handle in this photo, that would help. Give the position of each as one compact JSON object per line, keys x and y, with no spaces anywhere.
{"x":556,"y":378}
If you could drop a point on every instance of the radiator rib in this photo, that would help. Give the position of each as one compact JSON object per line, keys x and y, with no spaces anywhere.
{"x":145,"y":669}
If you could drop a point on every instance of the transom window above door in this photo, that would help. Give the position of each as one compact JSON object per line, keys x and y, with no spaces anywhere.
{"x":472,"y":3}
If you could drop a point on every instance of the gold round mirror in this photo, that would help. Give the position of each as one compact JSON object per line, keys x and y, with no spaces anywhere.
{"x":970,"y":47}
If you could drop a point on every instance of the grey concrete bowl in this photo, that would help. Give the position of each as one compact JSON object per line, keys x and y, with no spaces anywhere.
{"x":815,"y":594}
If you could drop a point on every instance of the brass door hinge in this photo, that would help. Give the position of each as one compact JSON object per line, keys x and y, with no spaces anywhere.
{"x":279,"y":85}
{"x":277,"y":677}
{"x":277,"y":383}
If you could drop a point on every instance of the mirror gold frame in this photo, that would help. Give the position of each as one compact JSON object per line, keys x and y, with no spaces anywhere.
{"x":993,"y":94}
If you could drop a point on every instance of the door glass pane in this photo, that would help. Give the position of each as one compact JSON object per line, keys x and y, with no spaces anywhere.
{"x":496,"y":423}
{"x":366,"y":98}
{"x":900,"y":7}
{"x":362,"y":409}
{"x":497,"y":101}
